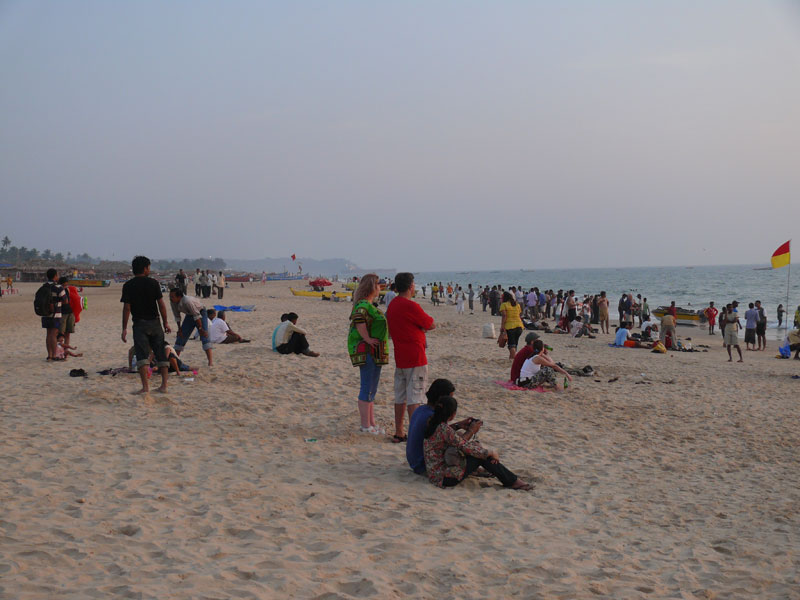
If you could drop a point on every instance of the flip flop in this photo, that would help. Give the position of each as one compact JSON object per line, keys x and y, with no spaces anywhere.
{"x":396,"y":439}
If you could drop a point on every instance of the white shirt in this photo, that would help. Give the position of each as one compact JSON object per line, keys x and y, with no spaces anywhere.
{"x":388,"y":297}
{"x":647,"y":324}
{"x":529,"y":369}
{"x":285,"y":331}
{"x":216,"y":330}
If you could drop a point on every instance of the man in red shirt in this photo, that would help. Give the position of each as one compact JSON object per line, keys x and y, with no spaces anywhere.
{"x":522,"y":356}
{"x":711,"y":314}
{"x":672,"y":310}
{"x":407,"y":326}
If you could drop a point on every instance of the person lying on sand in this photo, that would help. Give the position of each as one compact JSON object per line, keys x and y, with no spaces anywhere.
{"x":176,"y":365}
{"x":445,"y":468}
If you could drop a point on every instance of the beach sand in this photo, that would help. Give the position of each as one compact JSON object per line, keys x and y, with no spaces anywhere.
{"x":683,"y":486}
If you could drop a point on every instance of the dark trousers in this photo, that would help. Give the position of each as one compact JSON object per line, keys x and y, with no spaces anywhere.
{"x":297,"y":344}
{"x":506,"y":477}
{"x":197,"y":289}
{"x":220,"y":291}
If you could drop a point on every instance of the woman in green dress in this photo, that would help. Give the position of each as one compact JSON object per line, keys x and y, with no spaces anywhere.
{"x":368,"y":346}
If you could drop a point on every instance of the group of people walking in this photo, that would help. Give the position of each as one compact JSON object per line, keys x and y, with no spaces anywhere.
{"x":205,"y":283}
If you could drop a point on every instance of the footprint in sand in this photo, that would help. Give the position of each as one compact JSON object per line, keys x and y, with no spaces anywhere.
{"x":359,"y":589}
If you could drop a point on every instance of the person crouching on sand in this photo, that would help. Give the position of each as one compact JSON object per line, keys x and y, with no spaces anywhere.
{"x":196,"y":316}
{"x":448,"y":469}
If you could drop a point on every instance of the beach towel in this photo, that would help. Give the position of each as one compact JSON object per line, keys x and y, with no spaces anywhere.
{"x":245,"y":308}
{"x":510,"y":386}
{"x":75,"y":302}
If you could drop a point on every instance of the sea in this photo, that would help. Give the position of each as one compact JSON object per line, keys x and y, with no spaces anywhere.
{"x":690,"y":287}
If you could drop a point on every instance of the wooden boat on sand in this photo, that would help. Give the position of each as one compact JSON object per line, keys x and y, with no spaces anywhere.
{"x":315,"y":294}
{"x":685,"y":316}
{"x":89,"y":282}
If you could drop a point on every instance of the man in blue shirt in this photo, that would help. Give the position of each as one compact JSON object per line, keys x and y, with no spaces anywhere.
{"x":751,"y":320}
{"x":419,"y":421}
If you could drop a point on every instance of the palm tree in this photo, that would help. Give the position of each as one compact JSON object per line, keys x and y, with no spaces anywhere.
{"x":6,"y":242}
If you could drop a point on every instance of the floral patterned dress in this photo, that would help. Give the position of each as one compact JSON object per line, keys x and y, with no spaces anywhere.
{"x":434,"y":448}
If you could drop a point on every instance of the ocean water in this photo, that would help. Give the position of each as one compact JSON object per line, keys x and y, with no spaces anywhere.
{"x":689,"y":287}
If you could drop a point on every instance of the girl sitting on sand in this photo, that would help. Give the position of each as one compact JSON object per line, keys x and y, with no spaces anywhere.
{"x":63,"y":349}
{"x":439,"y":436}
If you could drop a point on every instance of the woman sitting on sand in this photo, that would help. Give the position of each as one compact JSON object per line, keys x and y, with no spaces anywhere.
{"x":439,"y":436}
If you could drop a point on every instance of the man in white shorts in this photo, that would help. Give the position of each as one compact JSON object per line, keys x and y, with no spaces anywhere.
{"x":407,"y":326}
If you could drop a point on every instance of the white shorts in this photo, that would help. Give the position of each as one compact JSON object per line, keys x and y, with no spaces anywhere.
{"x":410,"y":385}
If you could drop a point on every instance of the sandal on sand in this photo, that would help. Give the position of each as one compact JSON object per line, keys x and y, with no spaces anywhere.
{"x":396,"y":439}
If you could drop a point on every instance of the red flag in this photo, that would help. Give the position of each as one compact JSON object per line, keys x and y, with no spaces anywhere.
{"x":293,"y":257}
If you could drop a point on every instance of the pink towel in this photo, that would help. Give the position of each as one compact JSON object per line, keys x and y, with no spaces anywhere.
{"x":510,"y":386}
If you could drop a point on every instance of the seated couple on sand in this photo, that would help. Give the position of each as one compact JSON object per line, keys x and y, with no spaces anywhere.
{"x":527,"y":372}
{"x":623,"y":338}
{"x":434,"y":446}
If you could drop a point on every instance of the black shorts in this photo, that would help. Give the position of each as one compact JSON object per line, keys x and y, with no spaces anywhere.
{"x":51,"y":323}
{"x":513,"y":336}
{"x":148,"y":335}
{"x":761,"y":328}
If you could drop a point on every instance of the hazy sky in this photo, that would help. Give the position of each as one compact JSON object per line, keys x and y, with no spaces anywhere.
{"x":415,"y":135}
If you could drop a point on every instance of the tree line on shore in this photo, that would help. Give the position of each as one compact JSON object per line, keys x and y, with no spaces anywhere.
{"x":20,"y":254}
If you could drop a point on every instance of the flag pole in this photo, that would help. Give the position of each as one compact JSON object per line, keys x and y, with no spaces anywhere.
{"x":788,"y":276}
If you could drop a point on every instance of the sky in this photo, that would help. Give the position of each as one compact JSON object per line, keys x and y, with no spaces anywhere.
{"x":409,"y":135}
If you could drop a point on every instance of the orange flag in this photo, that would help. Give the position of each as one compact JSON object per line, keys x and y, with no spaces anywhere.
{"x":781,"y":257}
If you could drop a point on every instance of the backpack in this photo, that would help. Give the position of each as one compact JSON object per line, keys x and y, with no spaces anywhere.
{"x":43,"y":301}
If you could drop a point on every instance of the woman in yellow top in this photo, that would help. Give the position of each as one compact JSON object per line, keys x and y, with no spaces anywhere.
{"x":511,"y":323}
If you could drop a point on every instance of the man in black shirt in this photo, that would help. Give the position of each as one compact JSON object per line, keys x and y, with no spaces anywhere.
{"x":180,"y":279}
{"x":143,"y":301}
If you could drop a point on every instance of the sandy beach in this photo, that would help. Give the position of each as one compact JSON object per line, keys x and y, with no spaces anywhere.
{"x":252,"y":481}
